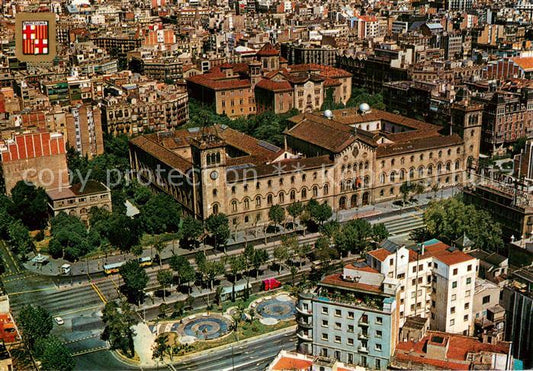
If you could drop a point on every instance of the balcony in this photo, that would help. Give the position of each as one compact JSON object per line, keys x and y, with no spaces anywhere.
{"x":362,"y":349}
{"x":303,"y":336}
{"x":304,"y":324}
{"x":363,"y":336}
{"x":363,"y":321}
{"x":306,"y":312}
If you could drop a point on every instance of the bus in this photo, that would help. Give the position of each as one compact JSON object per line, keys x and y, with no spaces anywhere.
{"x":145,"y":261}
{"x":113,"y":268}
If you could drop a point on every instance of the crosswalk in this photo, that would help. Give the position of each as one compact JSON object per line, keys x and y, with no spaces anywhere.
{"x":404,"y":225}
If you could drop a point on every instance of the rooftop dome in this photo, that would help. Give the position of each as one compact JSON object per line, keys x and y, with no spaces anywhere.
{"x":364,"y":107}
{"x":328,"y":114}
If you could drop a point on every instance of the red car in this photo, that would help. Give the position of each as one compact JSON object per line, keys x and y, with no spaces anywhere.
{"x":270,"y":284}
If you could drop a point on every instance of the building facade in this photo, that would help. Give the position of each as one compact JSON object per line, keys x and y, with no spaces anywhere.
{"x":349,"y":159}
{"x":353,"y":318}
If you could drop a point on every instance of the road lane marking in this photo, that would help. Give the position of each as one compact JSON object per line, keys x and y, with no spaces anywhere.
{"x":80,"y":310}
{"x":100,"y":295}
{"x":30,"y":291}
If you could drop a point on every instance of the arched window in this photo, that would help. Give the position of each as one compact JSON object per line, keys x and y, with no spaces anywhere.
{"x":315,"y":191}
{"x":214,"y":192}
{"x":439,"y":168}
{"x":457,"y":165}
{"x":326,"y":189}
{"x":421,"y":171}
{"x":449,"y":151}
{"x":402,"y":160}
{"x":421,"y":157}
{"x":430,"y":170}
{"x":293,"y":195}
{"x":246,"y":204}
{"x":411,"y":173}
{"x":440,"y":154}
{"x":234,"y":205}
{"x":366,"y":180}
{"x":458,"y":150}
{"x":304,"y":193}
{"x":402,"y":174}
{"x":366,"y":164}
{"x":382,"y":178}
{"x":269,"y":200}
{"x":448,"y":166}
{"x":412,"y":158}
{"x":218,"y":157}
{"x":257,"y":201}
{"x":281,"y":197}
{"x":292,"y":179}
{"x":392,"y":177}
{"x":233,"y":190}
{"x":215,"y":209}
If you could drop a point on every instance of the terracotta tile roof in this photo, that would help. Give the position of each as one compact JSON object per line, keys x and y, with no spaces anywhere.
{"x":165,"y":155}
{"x":365,"y":268}
{"x":525,"y":63}
{"x":322,"y":133}
{"x":288,"y":363}
{"x":273,"y":85}
{"x":323,"y":70}
{"x":417,"y":144}
{"x":32,"y":145}
{"x":268,"y":50}
{"x":331,"y":82}
{"x":380,"y":254}
{"x":336,"y":280}
{"x":217,"y":82}
{"x":458,"y":348}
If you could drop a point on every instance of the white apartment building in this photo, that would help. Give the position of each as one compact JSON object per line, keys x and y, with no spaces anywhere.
{"x":430,"y":281}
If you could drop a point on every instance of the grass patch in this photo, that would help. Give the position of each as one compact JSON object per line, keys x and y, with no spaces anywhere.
{"x":148,"y":239}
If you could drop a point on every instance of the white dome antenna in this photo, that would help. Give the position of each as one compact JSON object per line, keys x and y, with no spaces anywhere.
{"x":364,"y":108}
{"x":328,"y":114}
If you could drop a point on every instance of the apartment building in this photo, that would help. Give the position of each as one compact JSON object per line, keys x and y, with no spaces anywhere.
{"x":351,"y":317}
{"x":436,"y":281}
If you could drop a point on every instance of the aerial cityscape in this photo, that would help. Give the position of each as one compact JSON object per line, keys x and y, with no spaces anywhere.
{"x":271,"y":185}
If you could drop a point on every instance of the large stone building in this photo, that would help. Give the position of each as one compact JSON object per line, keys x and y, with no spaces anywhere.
{"x":347,"y":158}
{"x":269,"y":84}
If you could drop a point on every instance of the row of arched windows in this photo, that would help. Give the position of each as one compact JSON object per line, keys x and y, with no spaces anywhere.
{"x":234,"y":204}
{"x":361,"y":166}
{"x":401,"y":174}
{"x":421,"y":156}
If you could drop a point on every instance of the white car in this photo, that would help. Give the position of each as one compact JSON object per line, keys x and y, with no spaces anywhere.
{"x":59,"y":320}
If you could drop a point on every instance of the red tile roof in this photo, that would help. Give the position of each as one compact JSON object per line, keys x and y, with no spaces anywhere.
{"x":33,"y":145}
{"x":380,"y":254}
{"x":274,"y":85}
{"x":289,"y":363}
{"x":336,"y":280}
{"x":458,"y":348}
{"x":525,"y":63}
{"x":268,"y":50}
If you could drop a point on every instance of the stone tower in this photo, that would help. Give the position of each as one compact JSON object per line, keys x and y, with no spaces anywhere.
{"x":209,"y":160}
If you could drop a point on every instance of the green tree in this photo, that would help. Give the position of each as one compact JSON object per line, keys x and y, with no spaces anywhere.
{"x":280,"y":254}
{"x":218,"y":226}
{"x":406,"y":189}
{"x":449,"y":219}
{"x":160,"y":214}
{"x":19,"y":237}
{"x":165,"y":278}
{"x":321,"y":212}
{"x":54,"y":355}
{"x":295,"y":210}
{"x":379,"y":232}
{"x":354,"y":237}
{"x":191,"y":230}
{"x":135,"y":280}
{"x":276,"y":214}
{"x":35,"y":322}
{"x":123,"y":231}
{"x":141,"y":195}
{"x":237,"y":265}
{"x":259,"y":258}
{"x":30,"y":205}
{"x":119,"y":320}
{"x":184,"y":268}
{"x":212,"y":270}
